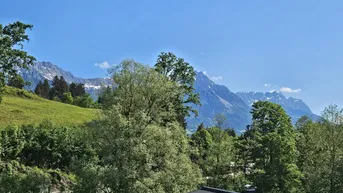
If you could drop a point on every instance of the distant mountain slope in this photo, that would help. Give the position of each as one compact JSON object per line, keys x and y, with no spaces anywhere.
{"x":217,"y":99}
{"x":295,"y":108}
{"x":22,"y":107}
{"x":47,"y":70}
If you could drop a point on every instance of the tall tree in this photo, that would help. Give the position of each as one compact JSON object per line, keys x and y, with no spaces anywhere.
{"x":45,"y":89}
{"x":275,"y":153}
{"x":80,"y":90}
{"x":59,"y":86}
{"x":219,"y":162}
{"x":200,"y":142}
{"x":77,"y":89}
{"x":72,"y":89}
{"x":16,"y":81}
{"x":106,"y":97}
{"x":140,"y":149}
{"x":136,"y":92}
{"x":39,"y":88}
{"x":312,"y":156}
{"x":177,"y":70}
{"x":12,"y":37}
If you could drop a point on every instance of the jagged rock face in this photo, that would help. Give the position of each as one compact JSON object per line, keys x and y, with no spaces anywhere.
{"x":215,"y":99}
{"x":47,"y":70}
{"x":295,"y":108}
{"x":218,"y":99}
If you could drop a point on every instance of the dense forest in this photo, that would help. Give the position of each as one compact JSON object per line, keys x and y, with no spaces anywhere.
{"x":139,"y":143}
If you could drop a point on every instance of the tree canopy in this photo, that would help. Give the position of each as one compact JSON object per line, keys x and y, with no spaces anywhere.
{"x":12,"y":55}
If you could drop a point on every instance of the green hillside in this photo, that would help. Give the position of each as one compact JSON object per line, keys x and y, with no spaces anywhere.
{"x":22,"y":107}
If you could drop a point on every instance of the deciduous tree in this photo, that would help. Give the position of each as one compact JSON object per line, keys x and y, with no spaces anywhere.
{"x":275,"y":152}
{"x":180,"y":71}
{"x":12,"y":55}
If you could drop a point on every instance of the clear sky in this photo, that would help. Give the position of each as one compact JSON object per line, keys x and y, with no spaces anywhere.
{"x":247,"y":45}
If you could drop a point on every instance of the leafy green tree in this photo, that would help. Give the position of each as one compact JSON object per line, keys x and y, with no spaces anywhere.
{"x":333,"y":132}
{"x":274,"y":155}
{"x":200,"y":142}
{"x":320,"y":147}
{"x":12,"y":37}
{"x":231,"y":132}
{"x":136,"y":92}
{"x":311,"y":157}
{"x":16,"y":81}
{"x":140,"y":150}
{"x":85,"y":101}
{"x":177,"y":70}
{"x":67,"y":98}
{"x":106,"y":97}
{"x":219,"y":163}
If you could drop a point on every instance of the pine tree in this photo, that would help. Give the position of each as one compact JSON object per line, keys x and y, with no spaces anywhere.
{"x":45,"y":89}
{"x":39,"y":88}
{"x":80,"y":90}
{"x":72,"y":89}
{"x":59,"y":86}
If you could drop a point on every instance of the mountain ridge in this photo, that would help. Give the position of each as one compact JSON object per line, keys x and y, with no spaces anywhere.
{"x":215,"y":98}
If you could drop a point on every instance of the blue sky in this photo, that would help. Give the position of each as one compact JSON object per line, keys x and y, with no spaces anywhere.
{"x":249,"y":45}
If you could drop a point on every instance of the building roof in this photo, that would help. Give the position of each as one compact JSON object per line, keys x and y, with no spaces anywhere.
{"x":211,"y":190}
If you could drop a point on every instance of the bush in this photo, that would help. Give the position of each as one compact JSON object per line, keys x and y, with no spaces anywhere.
{"x":44,"y":146}
{"x":17,"y":178}
{"x":84,"y":101}
{"x":67,"y":98}
{"x":16,"y":81}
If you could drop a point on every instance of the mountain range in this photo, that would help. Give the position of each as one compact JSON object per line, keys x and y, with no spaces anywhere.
{"x":215,"y":99}
{"x":47,"y":70}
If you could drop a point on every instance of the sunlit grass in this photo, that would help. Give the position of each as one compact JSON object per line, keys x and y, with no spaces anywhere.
{"x":22,"y":107}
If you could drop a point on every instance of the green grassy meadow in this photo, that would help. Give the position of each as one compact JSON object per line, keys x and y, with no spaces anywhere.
{"x":22,"y":107}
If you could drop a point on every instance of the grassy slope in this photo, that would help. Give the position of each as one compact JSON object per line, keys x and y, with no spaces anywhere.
{"x":22,"y":107}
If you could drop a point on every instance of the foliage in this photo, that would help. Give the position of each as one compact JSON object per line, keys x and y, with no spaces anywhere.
{"x":181,"y":72}
{"x":45,"y":89}
{"x":44,"y":146}
{"x":38,"y":158}
{"x":140,"y":150}
{"x":105,"y":97}
{"x":142,"y":92}
{"x":16,"y":81}
{"x":39,"y":89}
{"x":67,"y":98}
{"x":12,"y":37}
{"x":59,"y":86}
{"x":77,"y":89}
{"x":85,"y":101}
{"x":274,"y":153}
{"x":143,"y":158}
{"x":17,"y":178}
{"x":320,"y":147}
